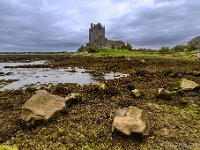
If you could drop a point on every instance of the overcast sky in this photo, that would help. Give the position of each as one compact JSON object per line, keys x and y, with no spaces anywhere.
{"x":46,"y":25}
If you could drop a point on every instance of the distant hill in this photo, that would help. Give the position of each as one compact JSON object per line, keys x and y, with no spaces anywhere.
{"x":195,"y":42}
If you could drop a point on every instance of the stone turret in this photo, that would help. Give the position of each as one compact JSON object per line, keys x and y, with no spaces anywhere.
{"x":97,"y":38}
{"x":97,"y":35}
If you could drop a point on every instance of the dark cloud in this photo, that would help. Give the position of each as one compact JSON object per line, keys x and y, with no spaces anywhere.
{"x":166,"y":25}
{"x":63,"y":25}
{"x":33,"y":25}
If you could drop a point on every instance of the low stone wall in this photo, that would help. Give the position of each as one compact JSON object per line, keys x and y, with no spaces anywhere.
{"x":114,"y":44}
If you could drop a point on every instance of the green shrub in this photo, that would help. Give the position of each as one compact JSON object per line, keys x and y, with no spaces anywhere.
{"x":182,"y":48}
{"x":89,"y":49}
{"x":164,"y":49}
{"x":127,"y":47}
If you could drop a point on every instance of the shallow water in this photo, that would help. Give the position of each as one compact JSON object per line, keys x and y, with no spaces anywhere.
{"x":27,"y":76}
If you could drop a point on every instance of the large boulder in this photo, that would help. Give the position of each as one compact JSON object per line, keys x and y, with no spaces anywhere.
{"x":43,"y":105}
{"x":131,"y":120}
{"x":188,"y":85}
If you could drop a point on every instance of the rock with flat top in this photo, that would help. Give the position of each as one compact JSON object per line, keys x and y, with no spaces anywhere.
{"x":42,"y":106}
{"x":188,"y":85}
{"x":131,"y":120}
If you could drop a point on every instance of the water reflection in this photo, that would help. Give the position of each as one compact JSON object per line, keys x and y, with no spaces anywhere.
{"x":27,"y":76}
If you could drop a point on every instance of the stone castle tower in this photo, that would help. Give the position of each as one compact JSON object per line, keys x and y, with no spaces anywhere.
{"x":97,"y":38}
{"x":97,"y":35}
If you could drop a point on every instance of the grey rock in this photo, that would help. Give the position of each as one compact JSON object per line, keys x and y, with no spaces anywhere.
{"x":188,"y":85}
{"x":131,"y":120}
{"x":42,"y":106}
{"x":128,"y":58}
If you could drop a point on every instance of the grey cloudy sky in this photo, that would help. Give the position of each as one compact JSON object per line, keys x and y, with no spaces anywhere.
{"x":46,"y":25}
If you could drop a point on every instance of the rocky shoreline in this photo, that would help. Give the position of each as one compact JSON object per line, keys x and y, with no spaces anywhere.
{"x":173,"y":121}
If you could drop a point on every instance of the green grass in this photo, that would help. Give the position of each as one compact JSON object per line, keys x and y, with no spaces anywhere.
{"x":109,"y":52}
{"x":114,"y":52}
{"x":170,"y":54}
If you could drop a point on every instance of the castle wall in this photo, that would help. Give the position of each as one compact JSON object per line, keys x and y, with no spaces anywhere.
{"x":114,"y":44}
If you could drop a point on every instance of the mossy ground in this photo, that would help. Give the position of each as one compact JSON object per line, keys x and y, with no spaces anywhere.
{"x":88,"y":124}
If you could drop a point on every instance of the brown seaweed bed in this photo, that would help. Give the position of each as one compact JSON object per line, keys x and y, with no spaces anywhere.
{"x":174,"y":124}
